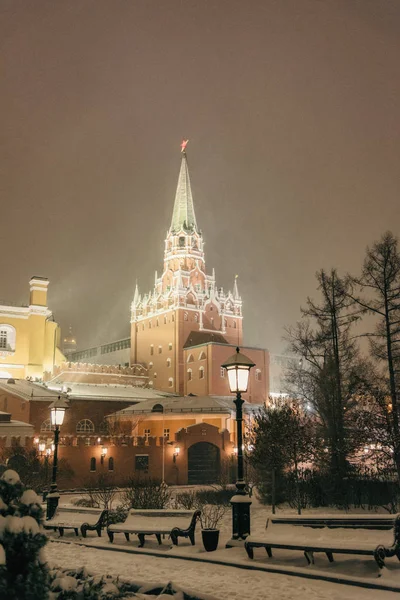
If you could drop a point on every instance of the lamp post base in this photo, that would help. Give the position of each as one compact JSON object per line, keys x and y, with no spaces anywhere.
{"x":240,"y":517}
{"x":52,"y":501}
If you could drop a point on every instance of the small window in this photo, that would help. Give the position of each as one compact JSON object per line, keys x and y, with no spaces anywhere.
{"x":159,"y":349}
{"x":189,"y":374}
{"x":157,"y":323}
{"x":202,"y":355}
{"x":168,"y":362}
{"x":93,"y":464}
{"x":222,"y":372}
{"x":154,"y":375}
{"x":166,"y":433}
{"x":181,"y":241}
{"x":171,"y":382}
{"x":151,"y":350}
{"x":85,"y":426}
{"x":170,"y":346}
{"x":173,"y":317}
{"x":111,"y":464}
{"x":149,"y":324}
{"x":190,"y":358}
{"x":147,"y":434}
{"x":165,"y":319}
{"x":196,"y":318}
{"x":201,"y":373}
{"x":234,"y":324}
{"x":185,"y":316}
{"x":142,"y":462}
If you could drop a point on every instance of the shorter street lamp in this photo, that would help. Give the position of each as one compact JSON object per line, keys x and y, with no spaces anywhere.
{"x":57,"y":412}
{"x":238,"y":368}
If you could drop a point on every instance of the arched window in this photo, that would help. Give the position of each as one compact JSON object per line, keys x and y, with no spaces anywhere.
{"x":170,"y":346}
{"x":165,"y":319}
{"x":111,"y":464}
{"x":201,"y":373}
{"x":93,"y":464}
{"x":190,"y":358}
{"x":234,"y":325}
{"x":189,"y":374}
{"x":85,"y":426}
{"x":168,"y":362}
{"x":159,"y":349}
{"x":196,"y":317}
{"x":202,"y":355}
{"x":171,"y":382}
{"x":46,"y":426}
{"x":157,"y":408}
{"x":185,"y":316}
{"x":151,"y":350}
{"x":7,"y":338}
{"x":149,"y":324}
{"x":150,"y":365}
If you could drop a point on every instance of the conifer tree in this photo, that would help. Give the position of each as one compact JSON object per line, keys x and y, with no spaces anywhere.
{"x":23,"y":572}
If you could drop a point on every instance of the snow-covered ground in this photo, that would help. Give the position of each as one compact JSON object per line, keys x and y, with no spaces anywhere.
{"x":227,"y":582}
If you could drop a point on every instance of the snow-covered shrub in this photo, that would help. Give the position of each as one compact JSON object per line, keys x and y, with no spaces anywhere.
{"x":23,"y":572}
{"x":145,"y":493}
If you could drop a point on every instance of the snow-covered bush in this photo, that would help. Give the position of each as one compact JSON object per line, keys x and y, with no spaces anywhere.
{"x":23,"y":573}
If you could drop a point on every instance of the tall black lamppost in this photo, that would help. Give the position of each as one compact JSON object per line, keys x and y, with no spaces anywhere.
{"x":238,"y":368}
{"x":57,"y":412}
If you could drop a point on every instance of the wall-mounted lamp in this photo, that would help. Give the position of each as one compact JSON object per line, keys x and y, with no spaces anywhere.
{"x":36,"y":440}
{"x":176,"y":453}
{"x":42,"y":447}
{"x":103,"y":454}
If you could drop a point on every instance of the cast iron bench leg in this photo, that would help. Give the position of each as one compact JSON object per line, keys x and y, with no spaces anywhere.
{"x":269,"y":551}
{"x":330,"y":556}
{"x":98,"y":529}
{"x":191,"y":538}
{"x":111,"y":536}
{"x":309,"y":554}
{"x":141,"y":539}
{"x":126,"y":534}
{"x":158,"y":536}
{"x":61,"y":531}
{"x":249,"y":550}
{"x":76,"y":531}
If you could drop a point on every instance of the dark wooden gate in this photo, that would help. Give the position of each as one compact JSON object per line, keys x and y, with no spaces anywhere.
{"x":203,"y":463}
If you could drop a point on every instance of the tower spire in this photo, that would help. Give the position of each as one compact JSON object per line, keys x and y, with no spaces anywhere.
{"x":136,"y":295}
{"x":183,"y":217}
{"x":235,"y":289}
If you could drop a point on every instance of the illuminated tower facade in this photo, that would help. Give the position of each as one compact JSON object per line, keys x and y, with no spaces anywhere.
{"x":185,"y":301}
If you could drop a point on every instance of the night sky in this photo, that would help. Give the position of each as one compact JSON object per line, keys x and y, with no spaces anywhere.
{"x":292,"y":111}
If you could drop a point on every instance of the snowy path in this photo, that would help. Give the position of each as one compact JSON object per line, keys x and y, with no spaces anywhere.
{"x":226,"y":583}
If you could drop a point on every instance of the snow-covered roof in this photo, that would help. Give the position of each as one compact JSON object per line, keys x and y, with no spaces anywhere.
{"x":188,"y":404}
{"x":27,"y":390}
{"x":98,"y":391}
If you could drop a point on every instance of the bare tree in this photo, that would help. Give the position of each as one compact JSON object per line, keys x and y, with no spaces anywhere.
{"x":329,"y":370}
{"x":380,"y":279}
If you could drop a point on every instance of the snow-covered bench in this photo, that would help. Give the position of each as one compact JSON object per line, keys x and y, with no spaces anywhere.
{"x":310,"y":542}
{"x":174,"y":523}
{"x":78,"y":519}
{"x":343,"y":521}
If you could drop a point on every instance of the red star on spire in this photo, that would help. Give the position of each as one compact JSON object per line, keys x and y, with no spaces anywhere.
{"x":183,"y":145}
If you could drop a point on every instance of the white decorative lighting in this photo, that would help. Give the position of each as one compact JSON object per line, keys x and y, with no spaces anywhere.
{"x":57,"y":411}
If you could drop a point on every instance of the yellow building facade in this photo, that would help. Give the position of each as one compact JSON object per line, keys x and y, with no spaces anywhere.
{"x":29,"y":336}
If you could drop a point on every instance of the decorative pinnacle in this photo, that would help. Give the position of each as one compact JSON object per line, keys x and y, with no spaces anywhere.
{"x":183,"y":146}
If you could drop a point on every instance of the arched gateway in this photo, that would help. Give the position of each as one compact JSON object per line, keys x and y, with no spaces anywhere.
{"x":203,"y":463}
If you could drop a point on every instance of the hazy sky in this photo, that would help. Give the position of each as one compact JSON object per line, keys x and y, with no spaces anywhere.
{"x":292,"y":112}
